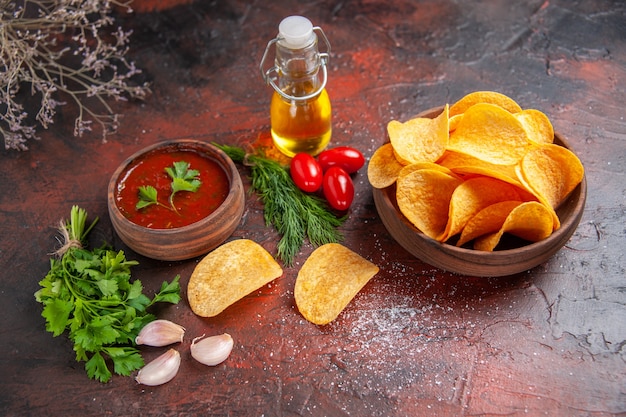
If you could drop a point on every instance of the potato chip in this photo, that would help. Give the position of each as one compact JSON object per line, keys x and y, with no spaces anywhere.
{"x":423,"y":197}
{"x":490,"y":97}
{"x":453,"y":122}
{"x":491,"y":134}
{"x":383,"y":168}
{"x":407,"y":169}
{"x":229,"y":273}
{"x":472,"y":196}
{"x":537,"y":125}
{"x":488,"y":242}
{"x":328,"y":280}
{"x":421,"y":139}
{"x":531,"y":221}
{"x":464,"y":164}
{"x":488,"y":220}
{"x":551,"y":172}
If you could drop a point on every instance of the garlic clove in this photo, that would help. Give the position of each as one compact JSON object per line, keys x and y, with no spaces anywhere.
{"x":160,"y":370}
{"x":160,"y":333}
{"x":212,"y":350}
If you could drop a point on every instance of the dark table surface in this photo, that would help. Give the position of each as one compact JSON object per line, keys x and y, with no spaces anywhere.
{"x":416,"y":340}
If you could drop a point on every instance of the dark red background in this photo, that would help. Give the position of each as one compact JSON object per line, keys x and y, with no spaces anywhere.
{"x":416,"y":340}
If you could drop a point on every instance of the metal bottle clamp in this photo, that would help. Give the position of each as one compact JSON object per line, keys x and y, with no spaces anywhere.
{"x":271,"y":74}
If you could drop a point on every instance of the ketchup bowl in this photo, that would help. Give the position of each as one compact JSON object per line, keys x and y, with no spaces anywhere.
{"x":192,"y":221}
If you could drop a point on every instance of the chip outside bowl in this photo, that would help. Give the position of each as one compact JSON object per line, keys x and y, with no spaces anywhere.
{"x":473,"y":262}
{"x":188,"y":241}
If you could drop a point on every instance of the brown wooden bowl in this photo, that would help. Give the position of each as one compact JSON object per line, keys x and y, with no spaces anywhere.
{"x":188,"y":241}
{"x":517,"y":257}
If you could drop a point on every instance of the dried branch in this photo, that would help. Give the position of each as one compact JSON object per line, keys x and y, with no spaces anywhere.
{"x":62,"y":49}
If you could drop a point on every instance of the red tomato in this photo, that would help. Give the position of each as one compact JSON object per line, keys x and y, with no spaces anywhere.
{"x":345,"y":157}
{"x":306,"y":173}
{"x":338,"y":188}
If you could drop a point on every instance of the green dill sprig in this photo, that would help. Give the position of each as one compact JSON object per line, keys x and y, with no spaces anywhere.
{"x":295,"y":214}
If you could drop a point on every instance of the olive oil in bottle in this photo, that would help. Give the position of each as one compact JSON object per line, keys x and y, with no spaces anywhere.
{"x":300,"y":110}
{"x":301,"y":126}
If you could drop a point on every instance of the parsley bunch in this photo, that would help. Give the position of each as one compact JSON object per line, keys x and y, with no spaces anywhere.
{"x":89,"y":293}
{"x":294,"y":213}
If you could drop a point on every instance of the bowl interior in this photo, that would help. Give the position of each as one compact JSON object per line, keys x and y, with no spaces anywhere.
{"x":204,"y":150}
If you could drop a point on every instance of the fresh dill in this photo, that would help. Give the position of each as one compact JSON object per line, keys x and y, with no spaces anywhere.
{"x":295,"y":214}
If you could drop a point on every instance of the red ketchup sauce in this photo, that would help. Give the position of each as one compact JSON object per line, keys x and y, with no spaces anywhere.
{"x":149,"y":169}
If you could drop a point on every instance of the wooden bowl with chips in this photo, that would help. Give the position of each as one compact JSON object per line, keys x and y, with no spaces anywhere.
{"x":203,"y":212}
{"x":511,"y":256}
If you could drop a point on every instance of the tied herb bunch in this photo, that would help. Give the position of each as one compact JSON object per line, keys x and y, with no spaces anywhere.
{"x":56,"y":50}
{"x":89,"y":294}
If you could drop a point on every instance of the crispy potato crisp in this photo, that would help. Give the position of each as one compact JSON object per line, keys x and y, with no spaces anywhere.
{"x":472,"y":196}
{"x":424,"y":197}
{"x":537,"y":125}
{"x":453,"y":122}
{"x":531,"y":221}
{"x":421,"y":139}
{"x":488,"y":220}
{"x":407,"y":169}
{"x":228,"y":274}
{"x":328,"y":280}
{"x":490,"y":97}
{"x":491,"y":134}
{"x":383,"y":168}
{"x":552,"y":172}
{"x":467,"y":165}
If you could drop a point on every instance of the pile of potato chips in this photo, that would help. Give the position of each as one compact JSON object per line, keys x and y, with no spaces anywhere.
{"x":481,"y":168}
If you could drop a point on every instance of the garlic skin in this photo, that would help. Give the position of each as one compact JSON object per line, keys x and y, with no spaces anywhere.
{"x":213,"y":350}
{"x":160,"y":333}
{"x":160,"y":370}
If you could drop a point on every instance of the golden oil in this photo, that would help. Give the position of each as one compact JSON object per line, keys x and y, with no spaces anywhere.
{"x":301,"y":126}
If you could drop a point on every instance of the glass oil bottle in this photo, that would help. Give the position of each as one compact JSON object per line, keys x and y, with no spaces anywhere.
{"x":300,"y":110}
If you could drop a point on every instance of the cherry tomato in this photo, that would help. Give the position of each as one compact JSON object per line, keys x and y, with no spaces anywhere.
{"x":305,"y":172}
{"x":345,"y":157}
{"x":338,"y":188}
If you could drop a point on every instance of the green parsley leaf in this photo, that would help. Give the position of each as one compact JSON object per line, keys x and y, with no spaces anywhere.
{"x":97,"y":368}
{"x":125,"y":360}
{"x":183,"y":179}
{"x":57,"y":313}
{"x":139,"y":303}
{"x":170,"y":292}
{"x":107,"y":286}
{"x":147,"y":197}
{"x":134,"y":290}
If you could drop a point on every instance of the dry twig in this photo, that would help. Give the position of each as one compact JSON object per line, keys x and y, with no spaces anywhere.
{"x":62,"y":49}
